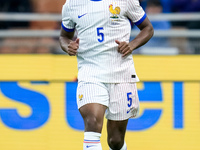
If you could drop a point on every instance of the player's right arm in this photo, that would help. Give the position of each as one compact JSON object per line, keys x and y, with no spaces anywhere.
{"x":67,"y":32}
{"x":67,"y":44}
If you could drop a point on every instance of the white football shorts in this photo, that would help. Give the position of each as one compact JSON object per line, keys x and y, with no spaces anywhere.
{"x":120,"y":98}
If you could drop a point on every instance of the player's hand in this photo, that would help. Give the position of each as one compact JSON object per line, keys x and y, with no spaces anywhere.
{"x":124,"y":48}
{"x":73,"y":47}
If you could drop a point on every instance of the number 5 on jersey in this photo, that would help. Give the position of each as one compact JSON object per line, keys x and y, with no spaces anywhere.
{"x":100,"y":34}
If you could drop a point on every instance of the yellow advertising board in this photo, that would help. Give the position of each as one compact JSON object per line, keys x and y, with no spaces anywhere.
{"x":38,"y":107}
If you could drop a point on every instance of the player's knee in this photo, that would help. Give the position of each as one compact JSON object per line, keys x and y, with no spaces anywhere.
{"x":92,"y":124}
{"x":115,"y":143}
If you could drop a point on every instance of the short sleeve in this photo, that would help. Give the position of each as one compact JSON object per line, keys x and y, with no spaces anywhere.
{"x":67,"y":22}
{"x":135,"y":12}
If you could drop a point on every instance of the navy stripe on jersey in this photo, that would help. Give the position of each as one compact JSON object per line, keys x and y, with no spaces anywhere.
{"x":66,"y":29}
{"x":141,"y":20}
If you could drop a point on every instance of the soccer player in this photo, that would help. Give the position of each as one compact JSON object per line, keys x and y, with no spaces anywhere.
{"x":106,"y":73}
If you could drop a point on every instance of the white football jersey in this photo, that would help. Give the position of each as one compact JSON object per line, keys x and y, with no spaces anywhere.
{"x":99,"y":23}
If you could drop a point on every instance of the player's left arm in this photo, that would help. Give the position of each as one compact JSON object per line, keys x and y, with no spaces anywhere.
{"x":146,"y":32}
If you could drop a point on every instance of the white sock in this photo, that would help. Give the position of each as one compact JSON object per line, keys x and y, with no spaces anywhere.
{"x":124,"y":147}
{"x":92,"y":141}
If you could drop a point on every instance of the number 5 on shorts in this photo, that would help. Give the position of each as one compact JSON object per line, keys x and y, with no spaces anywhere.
{"x":129,"y":99}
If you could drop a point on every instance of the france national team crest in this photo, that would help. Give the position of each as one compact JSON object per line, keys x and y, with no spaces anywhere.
{"x":80,"y":97}
{"x":114,"y":11}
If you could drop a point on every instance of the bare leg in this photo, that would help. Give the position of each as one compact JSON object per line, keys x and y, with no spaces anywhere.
{"x":116,"y":133}
{"x":93,"y":116}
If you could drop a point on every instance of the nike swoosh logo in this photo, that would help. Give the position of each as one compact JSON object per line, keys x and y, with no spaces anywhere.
{"x":81,"y":15}
{"x":129,"y":110}
{"x":88,"y":146}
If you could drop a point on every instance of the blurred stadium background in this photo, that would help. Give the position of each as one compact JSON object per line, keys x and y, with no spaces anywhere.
{"x":38,"y":81}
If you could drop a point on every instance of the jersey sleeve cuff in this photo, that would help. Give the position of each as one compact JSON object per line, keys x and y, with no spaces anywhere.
{"x":141,"y":20}
{"x":67,"y":29}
